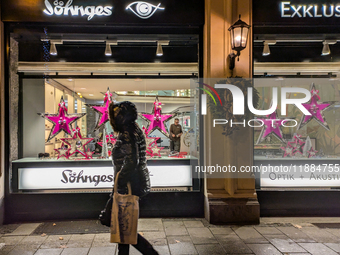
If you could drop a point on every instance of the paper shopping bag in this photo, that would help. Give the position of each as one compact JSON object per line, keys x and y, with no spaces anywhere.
{"x":124,"y":218}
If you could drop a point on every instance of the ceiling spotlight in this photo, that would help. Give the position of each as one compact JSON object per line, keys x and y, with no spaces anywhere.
{"x":108,"y":51}
{"x":325,"y":49}
{"x":266,"y":50}
{"x":53,"y":48}
{"x":159,"y":51}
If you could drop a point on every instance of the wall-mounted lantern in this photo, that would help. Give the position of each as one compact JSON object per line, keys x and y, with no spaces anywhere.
{"x":239,"y":37}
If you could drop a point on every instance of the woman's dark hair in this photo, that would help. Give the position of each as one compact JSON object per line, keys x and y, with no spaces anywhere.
{"x":122,"y":115}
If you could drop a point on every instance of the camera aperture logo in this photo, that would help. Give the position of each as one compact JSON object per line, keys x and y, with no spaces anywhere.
{"x":239,"y":103}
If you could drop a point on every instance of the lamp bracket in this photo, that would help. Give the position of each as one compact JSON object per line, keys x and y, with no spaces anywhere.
{"x":232,"y":57}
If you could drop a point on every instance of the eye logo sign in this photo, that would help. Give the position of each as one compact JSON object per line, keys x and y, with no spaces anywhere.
{"x":143,"y":10}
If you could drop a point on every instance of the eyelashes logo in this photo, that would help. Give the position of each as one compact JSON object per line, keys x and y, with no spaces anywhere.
{"x":143,"y":10}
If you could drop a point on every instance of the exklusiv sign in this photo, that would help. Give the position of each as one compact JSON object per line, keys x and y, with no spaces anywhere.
{"x":290,"y":10}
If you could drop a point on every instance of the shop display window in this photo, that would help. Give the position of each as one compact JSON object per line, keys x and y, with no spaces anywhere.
{"x":61,"y":130}
{"x":305,"y":147}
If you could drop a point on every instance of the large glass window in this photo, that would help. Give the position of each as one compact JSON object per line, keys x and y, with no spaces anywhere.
{"x":62,"y":86}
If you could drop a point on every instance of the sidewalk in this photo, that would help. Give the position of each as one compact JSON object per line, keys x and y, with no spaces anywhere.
{"x":294,"y":236}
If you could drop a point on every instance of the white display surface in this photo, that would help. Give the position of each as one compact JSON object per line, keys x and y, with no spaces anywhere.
{"x":96,"y":177}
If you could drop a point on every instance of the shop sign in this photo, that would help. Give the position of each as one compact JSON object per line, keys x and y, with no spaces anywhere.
{"x":122,"y":12}
{"x":144,"y":10}
{"x":59,"y":8}
{"x":96,"y":177}
{"x":300,"y":175}
{"x":289,"y":10}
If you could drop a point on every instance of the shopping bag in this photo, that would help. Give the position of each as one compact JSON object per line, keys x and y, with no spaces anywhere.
{"x":124,"y":217}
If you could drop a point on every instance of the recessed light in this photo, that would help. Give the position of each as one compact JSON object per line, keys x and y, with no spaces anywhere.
{"x":91,"y":95}
{"x":79,"y":93}
{"x":70,"y":79}
{"x":82,"y":88}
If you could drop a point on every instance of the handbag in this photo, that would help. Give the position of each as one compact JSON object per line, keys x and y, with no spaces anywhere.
{"x":124,"y":216}
{"x":105,"y":215}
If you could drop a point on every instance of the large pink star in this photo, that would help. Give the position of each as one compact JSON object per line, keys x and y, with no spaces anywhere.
{"x":316,"y":109}
{"x":271,"y":126}
{"x":156,"y":119}
{"x":103,"y":110}
{"x":61,"y":121}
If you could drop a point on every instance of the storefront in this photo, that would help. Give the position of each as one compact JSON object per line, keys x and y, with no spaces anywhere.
{"x":297,"y":46}
{"x":65,"y":62}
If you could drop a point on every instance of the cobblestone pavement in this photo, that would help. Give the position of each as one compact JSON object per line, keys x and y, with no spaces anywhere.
{"x":293,"y":236}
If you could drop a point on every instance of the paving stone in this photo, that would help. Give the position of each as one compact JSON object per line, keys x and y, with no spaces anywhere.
{"x":102,"y":251}
{"x":317,"y":249}
{"x":249,"y":235}
{"x":53,"y":241}
{"x":268,"y":230}
{"x":150,"y":225}
{"x":193,"y":224}
{"x":264,"y":249}
{"x":102,"y":240}
{"x":162,"y":250}
{"x":20,"y":251}
{"x":181,"y":245}
{"x":6,"y":249}
{"x":320,"y":235}
{"x":11,"y":240}
{"x":284,"y":244}
{"x":333,"y":246}
{"x":33,"y":241}
{"x":201,"y":236}
{"x":333,"y":231}
{"x":221,"y":231}
{"x":24,"y":229}
{"x":157,"y":238}
{"x":80,"y":241}
{"x":75,"y":251}
{"x":296,"y":235}
{"x":233,"y":244}
{"x":209,"y":249}
{"x":175,"y":228}
{"x":48,"y":252}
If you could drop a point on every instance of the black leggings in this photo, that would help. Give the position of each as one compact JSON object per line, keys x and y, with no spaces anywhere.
{"x":143,"y":246}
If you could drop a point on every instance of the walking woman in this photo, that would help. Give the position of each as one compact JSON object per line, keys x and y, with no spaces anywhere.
{"x":129,"y":160}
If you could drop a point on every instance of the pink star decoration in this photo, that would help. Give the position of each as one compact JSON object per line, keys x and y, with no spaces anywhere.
{"x":154,"y":151}
{"x":156,"y":119}
{"x":271,"y":126}
{"x":109,"y":139}
{"x":297,"y":144}
{"x":289,"y":151}
{"x":77,"y":143}
{"x":312,"y":153}
{"x":63,"y":152}
{"x":316,"y":109}
{"x":61,"y":121}
{"x":103,"y":110}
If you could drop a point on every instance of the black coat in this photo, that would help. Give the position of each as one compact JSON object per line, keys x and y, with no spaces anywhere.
{"x":129,"y":159}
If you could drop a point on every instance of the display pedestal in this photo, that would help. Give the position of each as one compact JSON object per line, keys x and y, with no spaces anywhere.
{"x":234,"y":211}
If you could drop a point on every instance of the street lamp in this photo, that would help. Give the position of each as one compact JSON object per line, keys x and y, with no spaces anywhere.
{"x":239,"y":37}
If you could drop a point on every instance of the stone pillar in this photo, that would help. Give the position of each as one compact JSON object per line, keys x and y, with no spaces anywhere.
{"x":231,"y":199}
